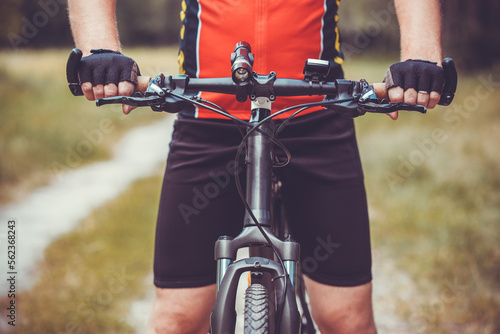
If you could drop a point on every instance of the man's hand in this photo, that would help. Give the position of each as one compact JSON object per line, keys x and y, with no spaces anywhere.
{"x":93,"y":24}
{"x":415,"y":81}
{"x":107,"y":73}
{"x":420,"y":29}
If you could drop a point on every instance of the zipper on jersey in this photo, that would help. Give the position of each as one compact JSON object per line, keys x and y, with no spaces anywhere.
{"x":260,"y":34}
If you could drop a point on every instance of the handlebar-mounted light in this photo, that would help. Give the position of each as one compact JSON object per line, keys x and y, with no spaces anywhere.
{"x":242,"y":63}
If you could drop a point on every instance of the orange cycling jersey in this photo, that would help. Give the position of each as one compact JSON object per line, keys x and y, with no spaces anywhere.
{"x":283,"y":34}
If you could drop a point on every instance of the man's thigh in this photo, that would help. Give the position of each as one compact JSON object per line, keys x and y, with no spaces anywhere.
{"x":325,"y":200}
{"x":199,"y":203}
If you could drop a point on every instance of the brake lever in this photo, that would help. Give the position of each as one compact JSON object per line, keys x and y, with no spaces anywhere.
{"x":136,"y":101}
{"x":368,"y":102}
{"x":154,"y":97}
{"x":386,"y":108}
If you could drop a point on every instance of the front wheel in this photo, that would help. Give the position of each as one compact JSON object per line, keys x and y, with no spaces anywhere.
{"x":256,"y":310}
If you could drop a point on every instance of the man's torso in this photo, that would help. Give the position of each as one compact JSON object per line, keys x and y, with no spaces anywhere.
{"x":282,"y":35}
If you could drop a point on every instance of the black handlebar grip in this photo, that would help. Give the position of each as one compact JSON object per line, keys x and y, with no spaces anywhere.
{"x":450,"y":82}
{"x":72,"y":72}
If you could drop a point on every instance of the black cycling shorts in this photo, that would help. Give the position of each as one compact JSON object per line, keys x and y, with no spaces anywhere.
{"x":323,"y":191}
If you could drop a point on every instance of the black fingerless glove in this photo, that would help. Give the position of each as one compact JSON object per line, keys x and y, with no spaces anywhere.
{"x":421,"y":75}
{"x":107,"y":66}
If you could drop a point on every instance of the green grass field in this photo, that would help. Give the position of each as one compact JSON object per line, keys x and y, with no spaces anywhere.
{"x":432,"y":181}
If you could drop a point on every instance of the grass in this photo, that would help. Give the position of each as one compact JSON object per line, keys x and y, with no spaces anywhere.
{"x":89,"y":277}
{"x":432,"y":182}
{"x":42,"y":125}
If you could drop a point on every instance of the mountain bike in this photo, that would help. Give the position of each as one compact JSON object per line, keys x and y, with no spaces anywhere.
{"x":275,"y":287}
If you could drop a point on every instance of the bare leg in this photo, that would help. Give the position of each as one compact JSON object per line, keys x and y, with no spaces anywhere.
{"x":180,"y":311}
{"x":339,"y":310}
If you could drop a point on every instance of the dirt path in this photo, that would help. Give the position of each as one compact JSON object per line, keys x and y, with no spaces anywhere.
{"x":391,"y":286}
{"x":56,"y":208}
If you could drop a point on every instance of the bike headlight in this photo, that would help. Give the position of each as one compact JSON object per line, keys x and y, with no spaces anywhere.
{"x":241,"y":72}
{"x":242,"y":62}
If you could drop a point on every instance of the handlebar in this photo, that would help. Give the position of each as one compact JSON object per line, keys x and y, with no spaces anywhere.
{"x":350,"y":98}
{"x":283,"y":88}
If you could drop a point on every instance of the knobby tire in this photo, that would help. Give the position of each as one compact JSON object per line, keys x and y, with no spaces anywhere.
{"x":256,"y":310}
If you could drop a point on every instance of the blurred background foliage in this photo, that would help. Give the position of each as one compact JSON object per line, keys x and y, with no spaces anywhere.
{"x":471,"y":29}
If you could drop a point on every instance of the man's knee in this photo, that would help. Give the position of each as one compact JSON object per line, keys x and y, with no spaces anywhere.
{"x":342,"y":321}
{"x":167,"y":321}
{"x":182,"y":310}
{"x":341,"y":309}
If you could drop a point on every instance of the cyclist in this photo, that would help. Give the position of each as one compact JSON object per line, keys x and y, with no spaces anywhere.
{"x":323,"y":180}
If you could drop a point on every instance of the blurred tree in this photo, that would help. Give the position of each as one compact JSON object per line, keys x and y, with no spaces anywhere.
{"x":369,"y":27}
{"x":10,"y":19}
{"x":148,"y":22}
{"x":44,"y":23}
{"x":471,"y":32}
{"x":471,"y":29}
